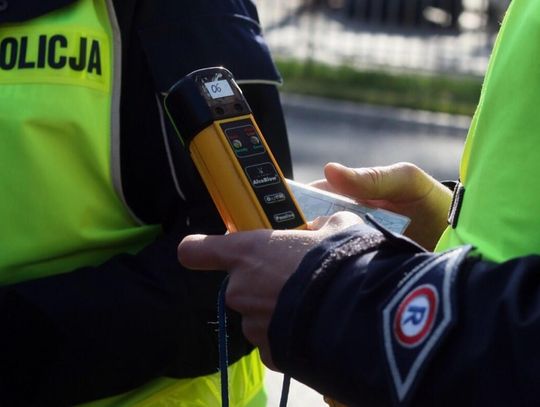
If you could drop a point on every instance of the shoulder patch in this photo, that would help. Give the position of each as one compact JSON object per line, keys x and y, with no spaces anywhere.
{"x":417,"y":318}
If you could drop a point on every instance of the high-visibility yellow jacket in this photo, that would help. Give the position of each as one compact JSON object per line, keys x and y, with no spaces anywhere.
{"x":96,"y":192}
{"x":499,"y":211}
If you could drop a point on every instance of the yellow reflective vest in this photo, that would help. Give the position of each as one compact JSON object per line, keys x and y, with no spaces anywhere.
{"x":500,"y":165}
{"x":62,"y":206}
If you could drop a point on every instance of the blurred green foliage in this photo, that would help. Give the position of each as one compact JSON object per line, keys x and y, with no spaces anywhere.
{"x":448,"y":94}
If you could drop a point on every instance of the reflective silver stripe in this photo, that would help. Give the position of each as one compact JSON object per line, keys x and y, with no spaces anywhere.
{"x":168,"y":148}
{"x":258,"y":82}
{"x":115,"y":109}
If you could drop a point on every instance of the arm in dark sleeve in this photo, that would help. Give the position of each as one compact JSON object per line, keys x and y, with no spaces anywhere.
{"x":265,"y":103}
{"x":374,"y":320}
{"x":100,"y":331}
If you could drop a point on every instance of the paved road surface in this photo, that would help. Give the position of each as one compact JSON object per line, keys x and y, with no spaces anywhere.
{"x":359,"y":135}
{"x":299,"y":395}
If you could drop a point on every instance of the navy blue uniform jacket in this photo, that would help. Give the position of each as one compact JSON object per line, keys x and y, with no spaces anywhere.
{"x":371,"y":319}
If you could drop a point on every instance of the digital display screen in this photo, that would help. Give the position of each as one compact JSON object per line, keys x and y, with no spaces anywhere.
{"x":219,"y":89}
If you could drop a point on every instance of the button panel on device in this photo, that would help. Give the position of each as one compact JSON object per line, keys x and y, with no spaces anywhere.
{"x":262,"y":175}
{"x":268,"y":186}
{"x":275,"y":197}
{"x":244,"y":139}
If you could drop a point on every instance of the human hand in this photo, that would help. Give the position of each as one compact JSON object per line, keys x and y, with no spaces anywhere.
{"x":402,"y":188}
{"x":259,"y":263}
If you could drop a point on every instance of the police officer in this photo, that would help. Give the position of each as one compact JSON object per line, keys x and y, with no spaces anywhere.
{"x":97,"y":190}
{"x":372,"y":318}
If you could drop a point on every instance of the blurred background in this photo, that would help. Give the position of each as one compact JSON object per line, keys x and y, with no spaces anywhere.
{"x":427,"y":36}
{"x":370,"y":82}
{"x":373,"y":82}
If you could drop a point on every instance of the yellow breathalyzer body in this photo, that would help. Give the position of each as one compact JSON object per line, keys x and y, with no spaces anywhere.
{"x":214,"y":120}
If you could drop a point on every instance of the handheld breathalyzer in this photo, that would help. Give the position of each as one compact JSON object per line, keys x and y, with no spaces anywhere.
{"x":214,"y":120}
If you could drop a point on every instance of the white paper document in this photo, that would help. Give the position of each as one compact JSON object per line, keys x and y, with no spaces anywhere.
{"x":315,"y":202}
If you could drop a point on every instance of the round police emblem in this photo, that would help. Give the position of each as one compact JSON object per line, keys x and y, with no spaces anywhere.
{"x":415,"y":316}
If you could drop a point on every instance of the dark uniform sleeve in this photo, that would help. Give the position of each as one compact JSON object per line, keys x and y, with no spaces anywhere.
{"x":372,"y":319}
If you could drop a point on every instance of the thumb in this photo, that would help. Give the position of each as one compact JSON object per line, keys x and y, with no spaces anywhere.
{"x":397,"y":182}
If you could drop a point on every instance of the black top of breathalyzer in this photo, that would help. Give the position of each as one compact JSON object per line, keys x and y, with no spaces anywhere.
{"x":202,"y":97}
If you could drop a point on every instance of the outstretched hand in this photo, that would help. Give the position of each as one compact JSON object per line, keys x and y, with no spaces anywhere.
{"x":402,"y":188}
{"x":259,"y":263}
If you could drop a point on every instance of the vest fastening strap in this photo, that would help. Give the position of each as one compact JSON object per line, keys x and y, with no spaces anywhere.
{"x":455,"y":206}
